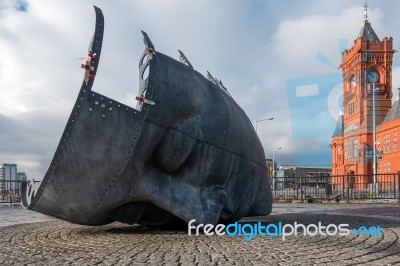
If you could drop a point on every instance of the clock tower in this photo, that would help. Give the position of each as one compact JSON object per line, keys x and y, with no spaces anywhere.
{"x":367,"y":69}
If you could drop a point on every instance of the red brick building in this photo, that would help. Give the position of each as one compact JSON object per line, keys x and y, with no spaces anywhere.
{"x":387,"y":141}
{"x":367,"y":66}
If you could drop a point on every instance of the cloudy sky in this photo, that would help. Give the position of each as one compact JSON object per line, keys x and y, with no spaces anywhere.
{"x":277,"y":58}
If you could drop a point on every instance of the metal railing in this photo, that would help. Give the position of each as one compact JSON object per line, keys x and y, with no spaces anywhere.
{"x":337,"y":188}
{"x":303,"y":188}
{"x":10,"y":191}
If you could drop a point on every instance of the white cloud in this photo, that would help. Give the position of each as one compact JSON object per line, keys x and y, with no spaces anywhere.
{"x":396,"y":83}
{"x":40,"y":74}
{"x":293,"y":49}
{"x":297,"y":40}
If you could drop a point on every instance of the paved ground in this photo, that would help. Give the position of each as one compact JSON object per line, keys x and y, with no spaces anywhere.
{"x":47,"y":241}
{"x":10,"y":215}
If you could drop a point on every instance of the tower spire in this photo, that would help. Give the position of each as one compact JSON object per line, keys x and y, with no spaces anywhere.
{"x":366,"y":29}
{"x":365,"y":11}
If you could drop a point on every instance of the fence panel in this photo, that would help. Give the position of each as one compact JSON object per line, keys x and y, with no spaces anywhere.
{"x":10,"y":191}
{"x":343,"y":187}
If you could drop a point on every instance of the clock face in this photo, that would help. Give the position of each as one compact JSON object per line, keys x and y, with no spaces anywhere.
{"x":353,"y":81}
{"x":373,"y":76}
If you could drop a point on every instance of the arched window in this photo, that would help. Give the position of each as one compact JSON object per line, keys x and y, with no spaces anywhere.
{"x":355,"y":148}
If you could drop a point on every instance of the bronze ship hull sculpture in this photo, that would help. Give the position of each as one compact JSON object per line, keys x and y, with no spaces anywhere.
{"x":187,"y":151}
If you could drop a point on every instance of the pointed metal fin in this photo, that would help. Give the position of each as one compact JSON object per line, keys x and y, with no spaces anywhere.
{"x":95,"y":45}
{"x":222,"y":85}
{"x":147,"y":40}
{"x":184,"y":59}
{"x":210,"y":77}
{"x":217,"y":82}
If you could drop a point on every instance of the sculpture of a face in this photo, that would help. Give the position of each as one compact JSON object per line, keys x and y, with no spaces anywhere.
{"x":187,"y":151}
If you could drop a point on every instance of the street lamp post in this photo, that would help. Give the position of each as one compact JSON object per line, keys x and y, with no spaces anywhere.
{"x":373,"y":77}
{"x":271,"y":118}
{"x":374,"y":130}
{"x":261,"y":120}
{"x":274,"y":167}
{"x":273,"y":161}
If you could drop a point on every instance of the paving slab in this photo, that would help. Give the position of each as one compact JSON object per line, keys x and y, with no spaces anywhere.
{"x":35,"y":239}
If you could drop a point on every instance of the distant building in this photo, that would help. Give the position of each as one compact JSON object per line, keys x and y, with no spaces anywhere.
{"x":8,"y":172}
{"x":387,"y":141}
{"x":367,"y":74}
{"x":21,"y":177}
{"x":1,"y":178}
{"x":312,"y":176}
{"x":8,"y":176}
{"x":270,"y":167}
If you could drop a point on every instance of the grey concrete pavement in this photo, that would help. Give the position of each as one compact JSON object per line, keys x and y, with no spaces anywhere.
{"x":16,"y":214}
{"x":47,"y":241}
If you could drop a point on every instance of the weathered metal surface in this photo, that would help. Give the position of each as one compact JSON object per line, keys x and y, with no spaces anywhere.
{"x":189,"y":153}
